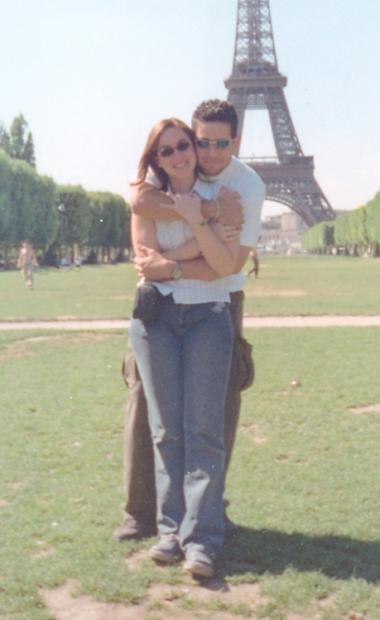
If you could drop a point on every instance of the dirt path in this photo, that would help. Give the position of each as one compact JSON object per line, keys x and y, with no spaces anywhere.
{"x":249,"y":321}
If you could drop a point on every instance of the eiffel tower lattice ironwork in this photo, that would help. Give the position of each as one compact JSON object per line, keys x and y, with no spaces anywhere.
{"x":256,"y":83}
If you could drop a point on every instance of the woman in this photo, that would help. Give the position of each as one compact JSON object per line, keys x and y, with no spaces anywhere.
{"x":184,"y":356}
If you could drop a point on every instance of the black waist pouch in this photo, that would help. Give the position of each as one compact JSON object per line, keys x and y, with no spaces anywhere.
{"x":147,"y":303}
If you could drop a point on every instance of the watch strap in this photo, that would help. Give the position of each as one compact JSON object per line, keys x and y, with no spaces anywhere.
{"x":177,"y":272}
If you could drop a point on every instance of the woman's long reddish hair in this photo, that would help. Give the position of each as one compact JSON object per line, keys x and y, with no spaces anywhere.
{"x":148,"y":158}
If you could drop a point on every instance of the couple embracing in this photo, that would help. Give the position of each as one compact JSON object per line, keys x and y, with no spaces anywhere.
{"x":196,"y":216}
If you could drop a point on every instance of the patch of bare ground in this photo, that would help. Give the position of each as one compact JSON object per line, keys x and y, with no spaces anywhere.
{"x":310,"y":616}
{"x":216,"y":600}
{"x":253,"y":431}
{"x":4,"y":503}
{"x":67,"y":317}
{"x":355,"y":615}
{"x":63,"y":604}
{"x":20,"y":348}
{"x":17,"y":349}
{"x":189,"y":600}
{"x":17,"y":485}
{"x":136,"y":560}
{"x":286,"y":293}
{"x":43,"y":550}
{"x":361,"y":409}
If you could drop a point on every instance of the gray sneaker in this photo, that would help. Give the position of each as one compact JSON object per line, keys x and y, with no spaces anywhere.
{"x":131,"y":529}
{"x":198,"y":563}
{"x":166,"y":549}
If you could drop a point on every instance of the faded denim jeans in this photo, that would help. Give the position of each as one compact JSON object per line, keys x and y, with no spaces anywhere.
{"x":184,"y":362}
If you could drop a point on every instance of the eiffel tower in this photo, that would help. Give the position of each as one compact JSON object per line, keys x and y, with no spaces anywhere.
{"x":255,"y":84}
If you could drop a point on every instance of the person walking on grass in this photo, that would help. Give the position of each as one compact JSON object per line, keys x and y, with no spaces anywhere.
{"x":255,"y":263}
{"x":27,"y":261}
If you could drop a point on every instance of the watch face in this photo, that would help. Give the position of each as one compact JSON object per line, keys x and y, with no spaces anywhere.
{"x":177,"y":272}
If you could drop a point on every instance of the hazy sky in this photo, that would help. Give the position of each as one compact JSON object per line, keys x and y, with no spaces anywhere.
{"x":93,"y":76}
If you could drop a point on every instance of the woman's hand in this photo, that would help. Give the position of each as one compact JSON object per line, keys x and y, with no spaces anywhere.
{"x":189,"y":207}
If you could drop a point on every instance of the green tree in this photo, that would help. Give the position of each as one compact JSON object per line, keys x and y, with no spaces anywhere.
{"x":373,"y":223}
{"x":17,"y":136}
{"x":42,"y":217}
{"x":109,"y":227}
{"x":341,"y":233}
{"x":5,"y":143}
{"x":73,"y":205}
{"x":350,"y":231}
{"x":5,"y":194}
{"x":29,"y":152}
{"x":27,"y":204}
{"x":319,"y":238}
{"x":357,"y":230}
{"x":33,"y":214}
{"x":21,"y":147}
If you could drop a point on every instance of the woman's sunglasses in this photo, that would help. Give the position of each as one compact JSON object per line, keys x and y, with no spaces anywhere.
{"x":167,"y":151}
{"x":205,"y":143}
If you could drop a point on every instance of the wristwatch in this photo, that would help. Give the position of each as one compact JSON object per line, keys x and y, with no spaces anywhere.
{"x":177,"y":272}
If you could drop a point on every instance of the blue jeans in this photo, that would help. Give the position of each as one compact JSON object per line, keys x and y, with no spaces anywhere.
{"x":184,"y":361}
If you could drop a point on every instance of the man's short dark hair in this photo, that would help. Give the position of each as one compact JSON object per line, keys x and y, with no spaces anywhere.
{"x":215,"y":110}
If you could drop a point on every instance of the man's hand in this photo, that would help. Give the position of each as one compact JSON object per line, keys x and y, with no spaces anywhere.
{"x":226,"y":233}
{"x":151,"y":265}
{"x":188,"y":206}
{"x":230,"y":208}
{"x":151,"y":203}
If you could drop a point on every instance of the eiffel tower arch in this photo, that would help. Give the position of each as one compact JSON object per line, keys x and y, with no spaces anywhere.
{"x":256,"y":84}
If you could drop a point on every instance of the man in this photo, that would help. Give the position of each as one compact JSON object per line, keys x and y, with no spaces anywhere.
{"x":235,"y":196}
{"x":255,"y":264}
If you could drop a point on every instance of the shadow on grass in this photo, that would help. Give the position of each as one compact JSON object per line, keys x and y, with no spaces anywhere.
{"x":270,"y":551}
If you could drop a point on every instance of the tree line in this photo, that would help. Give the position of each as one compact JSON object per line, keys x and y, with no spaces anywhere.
{"x":356,"y":233}
{"x":60,"y":221}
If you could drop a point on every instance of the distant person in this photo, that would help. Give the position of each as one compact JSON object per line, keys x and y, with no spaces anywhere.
{"x":26,"y":262}
{"x":255,"y":264}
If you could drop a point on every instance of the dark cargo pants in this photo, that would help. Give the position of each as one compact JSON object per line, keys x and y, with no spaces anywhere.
{"x":138,"y":450}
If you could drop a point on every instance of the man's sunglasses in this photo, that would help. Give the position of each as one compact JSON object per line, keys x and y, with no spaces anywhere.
{"x":167,"y":151}
{"x":205,"y":143}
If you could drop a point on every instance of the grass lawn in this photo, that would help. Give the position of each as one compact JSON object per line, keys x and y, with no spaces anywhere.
{"x":286,"y":285}
{"x":314,"y":285}
{"x":304,"y":480}
{"x":89,"y":292}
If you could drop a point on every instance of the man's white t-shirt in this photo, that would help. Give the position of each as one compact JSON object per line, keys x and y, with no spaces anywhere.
{"x":238,"y":177}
